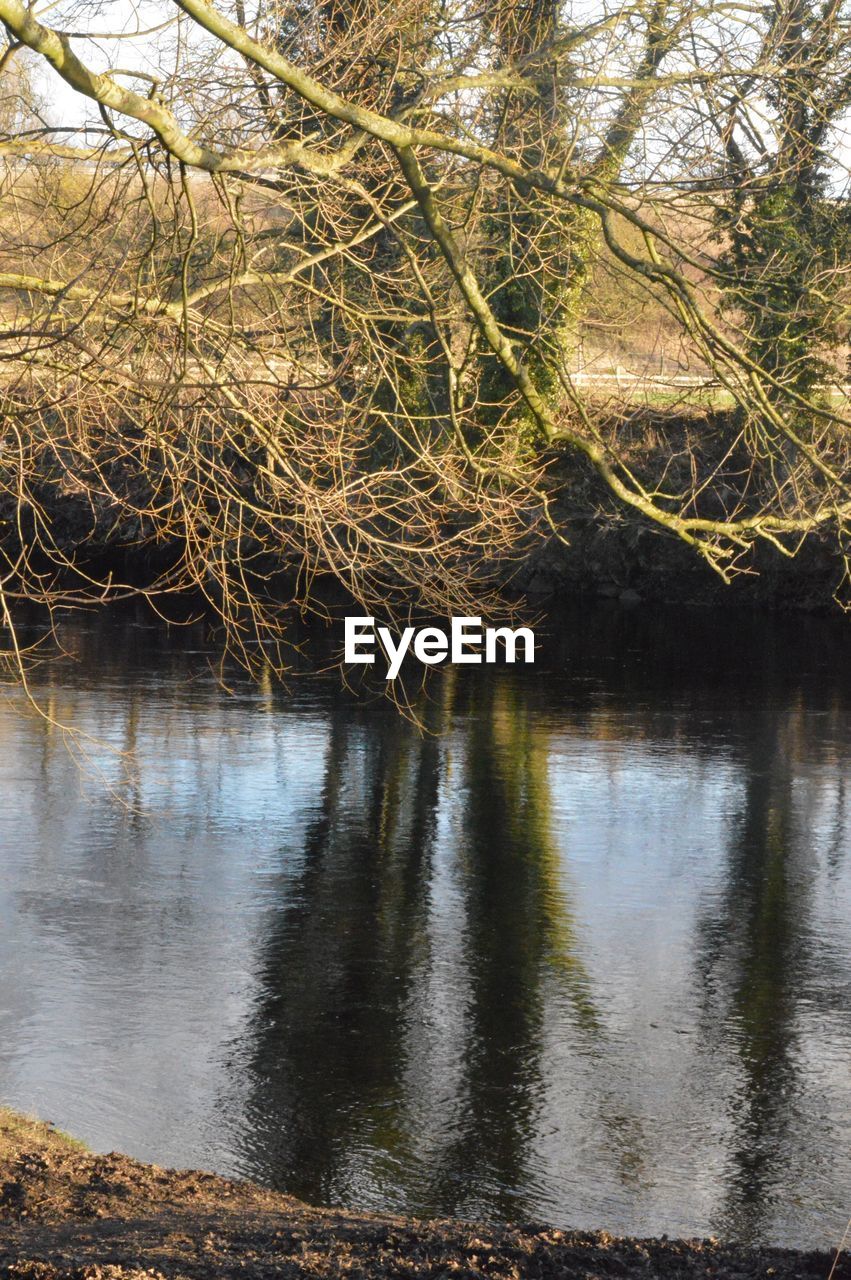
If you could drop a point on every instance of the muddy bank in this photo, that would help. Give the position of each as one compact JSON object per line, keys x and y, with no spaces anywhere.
{"x":81,"y":521}
{"x":67,"y":1213}
{"x":610,"y":551}
{"x":629,"y":560}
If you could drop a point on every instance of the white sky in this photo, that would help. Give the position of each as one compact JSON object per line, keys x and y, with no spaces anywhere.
{"x":142,"y":49}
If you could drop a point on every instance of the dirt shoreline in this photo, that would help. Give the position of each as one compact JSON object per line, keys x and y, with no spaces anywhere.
{"x":65,"y":1212}
{"x":606,"y":551}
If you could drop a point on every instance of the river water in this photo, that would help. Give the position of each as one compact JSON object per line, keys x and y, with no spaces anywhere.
{"x":579,"y":953}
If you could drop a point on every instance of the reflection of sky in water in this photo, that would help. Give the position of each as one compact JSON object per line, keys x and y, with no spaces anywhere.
{"x":579,"y":955}
{"x":129,"y":939}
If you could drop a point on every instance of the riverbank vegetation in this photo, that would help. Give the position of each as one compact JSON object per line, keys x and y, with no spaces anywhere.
{"x":397,"y":295}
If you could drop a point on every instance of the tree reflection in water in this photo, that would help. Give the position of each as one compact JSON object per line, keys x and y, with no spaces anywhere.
{"x":580,"y":951}
{"x":413,"y":956}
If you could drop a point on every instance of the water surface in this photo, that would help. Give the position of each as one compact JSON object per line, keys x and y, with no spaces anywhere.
{"x":581,"y":952}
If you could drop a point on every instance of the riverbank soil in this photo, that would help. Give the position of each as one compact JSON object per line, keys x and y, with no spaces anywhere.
{"x":603,"y":549}
{"x":67,"y":1213}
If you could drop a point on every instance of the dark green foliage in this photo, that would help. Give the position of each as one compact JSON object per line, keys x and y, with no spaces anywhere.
{"x":785,"y":245}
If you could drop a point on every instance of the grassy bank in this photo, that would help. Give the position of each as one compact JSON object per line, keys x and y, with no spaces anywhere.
{"x":65,"y":1212}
